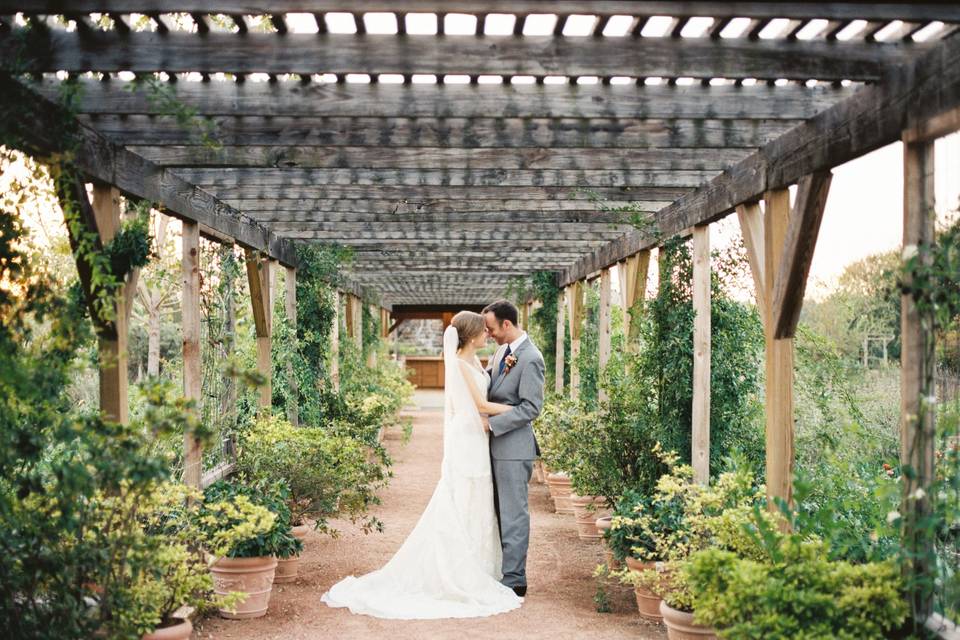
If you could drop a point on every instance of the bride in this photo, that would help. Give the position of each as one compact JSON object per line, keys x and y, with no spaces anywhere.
{"x":450,"y":564}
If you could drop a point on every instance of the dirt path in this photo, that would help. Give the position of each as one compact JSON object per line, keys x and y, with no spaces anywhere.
{"x":559,"y":603}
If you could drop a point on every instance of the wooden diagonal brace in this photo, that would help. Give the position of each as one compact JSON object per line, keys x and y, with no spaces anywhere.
{"x":799,"y":243}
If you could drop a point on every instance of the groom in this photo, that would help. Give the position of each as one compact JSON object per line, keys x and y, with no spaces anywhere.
{"x":516,"y":373}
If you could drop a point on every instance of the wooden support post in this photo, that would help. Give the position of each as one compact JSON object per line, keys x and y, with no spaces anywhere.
{"x":561,"y":339}
{"x":779,"y":356}
{"x":113,"y":349}
{"x":575,"y":315}
{"x":700,"y":453}
{"x":354,"y":316}
{"x":780,"y":248}
{"x":335,"y":343}
{"x":604,"y":322}
{"x":917,"y":358}
{"x":372,"y":354}
{"x":190,"y":318}
{"x":290,"y":303}
{"x":633,"y":288}
{"x":258,"y":278}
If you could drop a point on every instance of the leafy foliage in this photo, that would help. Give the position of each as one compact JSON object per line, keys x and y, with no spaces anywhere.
{"x":795,"y":592}
{"x":326,"y":473}
{"x":248,"y":519}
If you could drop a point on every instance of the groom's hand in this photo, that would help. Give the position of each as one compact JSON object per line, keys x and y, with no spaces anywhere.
{"x":486,"y":424}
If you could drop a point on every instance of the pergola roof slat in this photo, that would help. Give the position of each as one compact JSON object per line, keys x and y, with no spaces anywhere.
{"x":293,"y":99}
{"x":239,"y":193}
{"x":464,"y":133}
{"x":876,"y":116}
{"x":145,"y":52}
{"x":689,"y":8}
{"x":140,"y":178}
{"x":277,"y":178}
{"x":662,"y":159}
{"x":444,"y":191}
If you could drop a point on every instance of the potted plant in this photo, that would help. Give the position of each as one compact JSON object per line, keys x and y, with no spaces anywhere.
{"x":247,"y":536}
{"x":326,"y":473}
{"x":684,"y":517}
{"x":179,"y":578}
{"x":786,"y":585}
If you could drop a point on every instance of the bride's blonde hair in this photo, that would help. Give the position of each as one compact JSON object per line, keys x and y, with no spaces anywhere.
{"x":469,"y":325}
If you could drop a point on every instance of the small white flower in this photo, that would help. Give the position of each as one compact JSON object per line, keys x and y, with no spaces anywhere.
{"x":919,"y":494}
{"x":893,"y":516}
{"x":909,"y":251}
{"x":931,"y":401}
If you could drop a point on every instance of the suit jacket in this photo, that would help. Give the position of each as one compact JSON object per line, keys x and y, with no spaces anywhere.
{"x":522,"y":387}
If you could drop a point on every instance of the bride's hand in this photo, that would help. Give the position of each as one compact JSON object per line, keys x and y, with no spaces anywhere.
{"x":486,"y":424}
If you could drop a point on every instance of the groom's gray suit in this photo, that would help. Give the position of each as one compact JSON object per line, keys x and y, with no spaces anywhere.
{"x":513,"y":450}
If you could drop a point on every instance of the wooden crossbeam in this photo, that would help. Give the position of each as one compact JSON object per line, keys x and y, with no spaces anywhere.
{"x":135,"y":176}
{"x":501,"y":214}
{"x":219,"y":178}
{"x":145,"y":52}
{"x":455,"y":132}
{"x":465,"y":230}
{"x":875,"y":116}
{"x":483,"y":196}
{"x":327,"y":100}
{"x":447,"y":208}
{"x":685,"y":8}
{"x":452,"y":239}
{"x":659,"y":159}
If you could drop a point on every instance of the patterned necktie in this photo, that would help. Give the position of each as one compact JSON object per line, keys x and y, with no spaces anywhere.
{"x":503,"y":360}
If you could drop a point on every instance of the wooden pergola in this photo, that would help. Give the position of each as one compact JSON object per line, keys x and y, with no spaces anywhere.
{"x":683,"y":112}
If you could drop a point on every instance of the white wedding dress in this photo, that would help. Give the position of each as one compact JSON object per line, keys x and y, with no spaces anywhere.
{"x":450,"y":564}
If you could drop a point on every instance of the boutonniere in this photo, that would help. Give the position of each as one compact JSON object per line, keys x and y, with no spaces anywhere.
{"x":508,"y":363}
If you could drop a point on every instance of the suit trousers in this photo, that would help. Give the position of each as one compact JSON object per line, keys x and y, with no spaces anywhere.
{"x":510,"y":480}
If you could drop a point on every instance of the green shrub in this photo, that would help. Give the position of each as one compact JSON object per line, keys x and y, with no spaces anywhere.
{"x":625,"y":533}
{"x":326,"y":473}
{"x":796,"y":593}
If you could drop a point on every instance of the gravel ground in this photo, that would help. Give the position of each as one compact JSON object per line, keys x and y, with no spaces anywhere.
{"x":559,"y":603}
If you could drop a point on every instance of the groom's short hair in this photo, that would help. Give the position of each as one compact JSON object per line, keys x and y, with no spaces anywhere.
{"x":504,"y":310}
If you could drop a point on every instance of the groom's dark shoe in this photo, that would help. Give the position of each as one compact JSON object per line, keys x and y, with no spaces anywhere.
{"x":520,"y":590}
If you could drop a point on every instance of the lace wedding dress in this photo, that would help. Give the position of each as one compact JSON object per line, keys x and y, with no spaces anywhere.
{"x":449,"y":566}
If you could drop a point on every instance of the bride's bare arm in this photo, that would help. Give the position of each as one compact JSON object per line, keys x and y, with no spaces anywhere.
{"x":483,"y":405}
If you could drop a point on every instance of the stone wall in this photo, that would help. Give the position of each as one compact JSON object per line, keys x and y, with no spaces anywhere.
{"x":421,"y":337}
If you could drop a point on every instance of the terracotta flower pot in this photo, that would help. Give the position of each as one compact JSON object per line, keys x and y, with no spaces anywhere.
{"x":648,"y":603}
{"x":300,"y":532}
{"x":252,"y":576}
{"x":288,"y":568}
{"x":560,"y":492}
{"x":680,"y":625}
{"x":180,"y":631}
{"x":603,"y":524}
{"x":585,"y":511}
